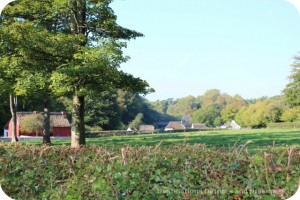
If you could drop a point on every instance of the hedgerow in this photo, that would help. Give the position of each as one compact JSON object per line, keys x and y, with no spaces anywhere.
{"x":284,"y":125}
{"x":154,"y":172}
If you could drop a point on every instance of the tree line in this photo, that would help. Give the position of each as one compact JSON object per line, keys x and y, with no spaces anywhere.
{"x":214,"y":108}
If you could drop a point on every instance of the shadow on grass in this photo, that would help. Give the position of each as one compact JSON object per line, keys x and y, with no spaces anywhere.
{"x":260,"y":138}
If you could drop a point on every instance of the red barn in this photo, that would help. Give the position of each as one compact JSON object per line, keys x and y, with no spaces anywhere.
{"x":59,"y":125}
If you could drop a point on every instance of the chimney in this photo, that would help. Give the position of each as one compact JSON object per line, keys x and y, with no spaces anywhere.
{"x":63,"y":113}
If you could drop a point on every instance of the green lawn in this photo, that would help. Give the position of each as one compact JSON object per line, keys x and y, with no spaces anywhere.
{"x":261,"y":138}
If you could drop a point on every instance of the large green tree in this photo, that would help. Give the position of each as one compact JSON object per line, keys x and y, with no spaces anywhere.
{"x":292,"y":89}
{"x":102,"y":111}
{"x":95,"y":65}
{"x":183,"y":106}
{"x":210,"y":115}
{"x":33,"y":47}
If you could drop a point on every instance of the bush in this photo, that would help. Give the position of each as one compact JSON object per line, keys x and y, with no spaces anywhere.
{"x":173,"y":172}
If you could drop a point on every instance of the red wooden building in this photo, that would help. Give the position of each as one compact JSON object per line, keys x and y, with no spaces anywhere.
{"x":59,"y":125}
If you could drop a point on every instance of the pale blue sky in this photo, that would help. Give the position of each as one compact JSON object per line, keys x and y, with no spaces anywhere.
{"x":238,"y":46}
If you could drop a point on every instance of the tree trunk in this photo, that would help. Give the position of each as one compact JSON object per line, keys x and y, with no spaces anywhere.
{"x":78,"y":18}
{"x":78,"y":130}
{"x":77,"y":26}
{"x":46,"y":124}
{"x":13,"y":110}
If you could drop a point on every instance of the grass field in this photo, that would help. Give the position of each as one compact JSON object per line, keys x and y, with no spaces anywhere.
{"x":261,"y":138}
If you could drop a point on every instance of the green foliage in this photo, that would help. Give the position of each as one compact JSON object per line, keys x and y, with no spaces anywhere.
{"x":233,"y":105}
{"x":292,"y":89}
{"x":259,"y":114}
{"x":210,"y":97}
{"x":291,"y":114}
{"x":95,"y":69}
{"x":182,"y":106}
{"x":217,"y":108}
{"x":102,"y":110}
{"x":33,"y":123}
{"x":209,"y":115}
{"x":137,"y":121}
{"x":174,"y":172}
{"x":229,"y":112}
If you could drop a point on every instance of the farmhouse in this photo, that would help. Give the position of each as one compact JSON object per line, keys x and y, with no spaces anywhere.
{"x":175,"y":125}
{"x":198,"y":126}
{"x":59,"y":125}
{"x":146,"y":128}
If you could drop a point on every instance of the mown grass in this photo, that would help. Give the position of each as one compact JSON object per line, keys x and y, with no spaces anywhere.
{"x":261,"y":138}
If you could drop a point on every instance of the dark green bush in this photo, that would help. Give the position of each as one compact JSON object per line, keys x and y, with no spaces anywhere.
{"x":173,"y":172}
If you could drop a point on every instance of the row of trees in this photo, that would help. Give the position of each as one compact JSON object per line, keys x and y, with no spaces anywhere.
{"x":66,"y":48}
{"x":214,"y":108}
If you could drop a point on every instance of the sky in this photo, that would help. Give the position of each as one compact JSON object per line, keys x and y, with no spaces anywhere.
{"x":240,"y":47}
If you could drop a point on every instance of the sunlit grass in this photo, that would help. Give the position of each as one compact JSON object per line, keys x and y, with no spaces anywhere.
{"x":261,"y":138}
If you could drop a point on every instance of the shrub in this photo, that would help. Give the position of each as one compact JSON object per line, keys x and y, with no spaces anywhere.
{"x":33,"y":123}
{"x":173,"y":172}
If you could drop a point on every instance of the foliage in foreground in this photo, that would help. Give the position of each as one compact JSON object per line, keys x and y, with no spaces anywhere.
{"x":173,"y":172}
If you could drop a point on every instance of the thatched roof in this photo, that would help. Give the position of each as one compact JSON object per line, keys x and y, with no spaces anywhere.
{"x":175,"y":125}
{"x":57,"y":119}
{"x":199,"y":126}
{"x":146,"y":128}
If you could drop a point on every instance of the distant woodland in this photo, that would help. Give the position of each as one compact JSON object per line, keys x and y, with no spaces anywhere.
{"x":118,"y":109}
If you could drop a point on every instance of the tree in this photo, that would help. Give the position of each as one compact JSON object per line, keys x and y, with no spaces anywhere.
{"x":259,"y":114}
{"x":32,"y":123}
{"x":13,"y":110}
{"x":95,"y":64}
{"x":163,"y":105}
{"x":102,"y":110}
{"x":233,"y":105}
{"x":210,"y":97}
{"x":182,"y":107}
{"x":228,"y":113}
{"x":33,"y":48}
{"x":273,"y":112}
{"x":138,"y":120}
{"x":291,"y":114}
{"x":7,"y":80}
{"x":210,"y":115}
{"x":292,"y":89}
